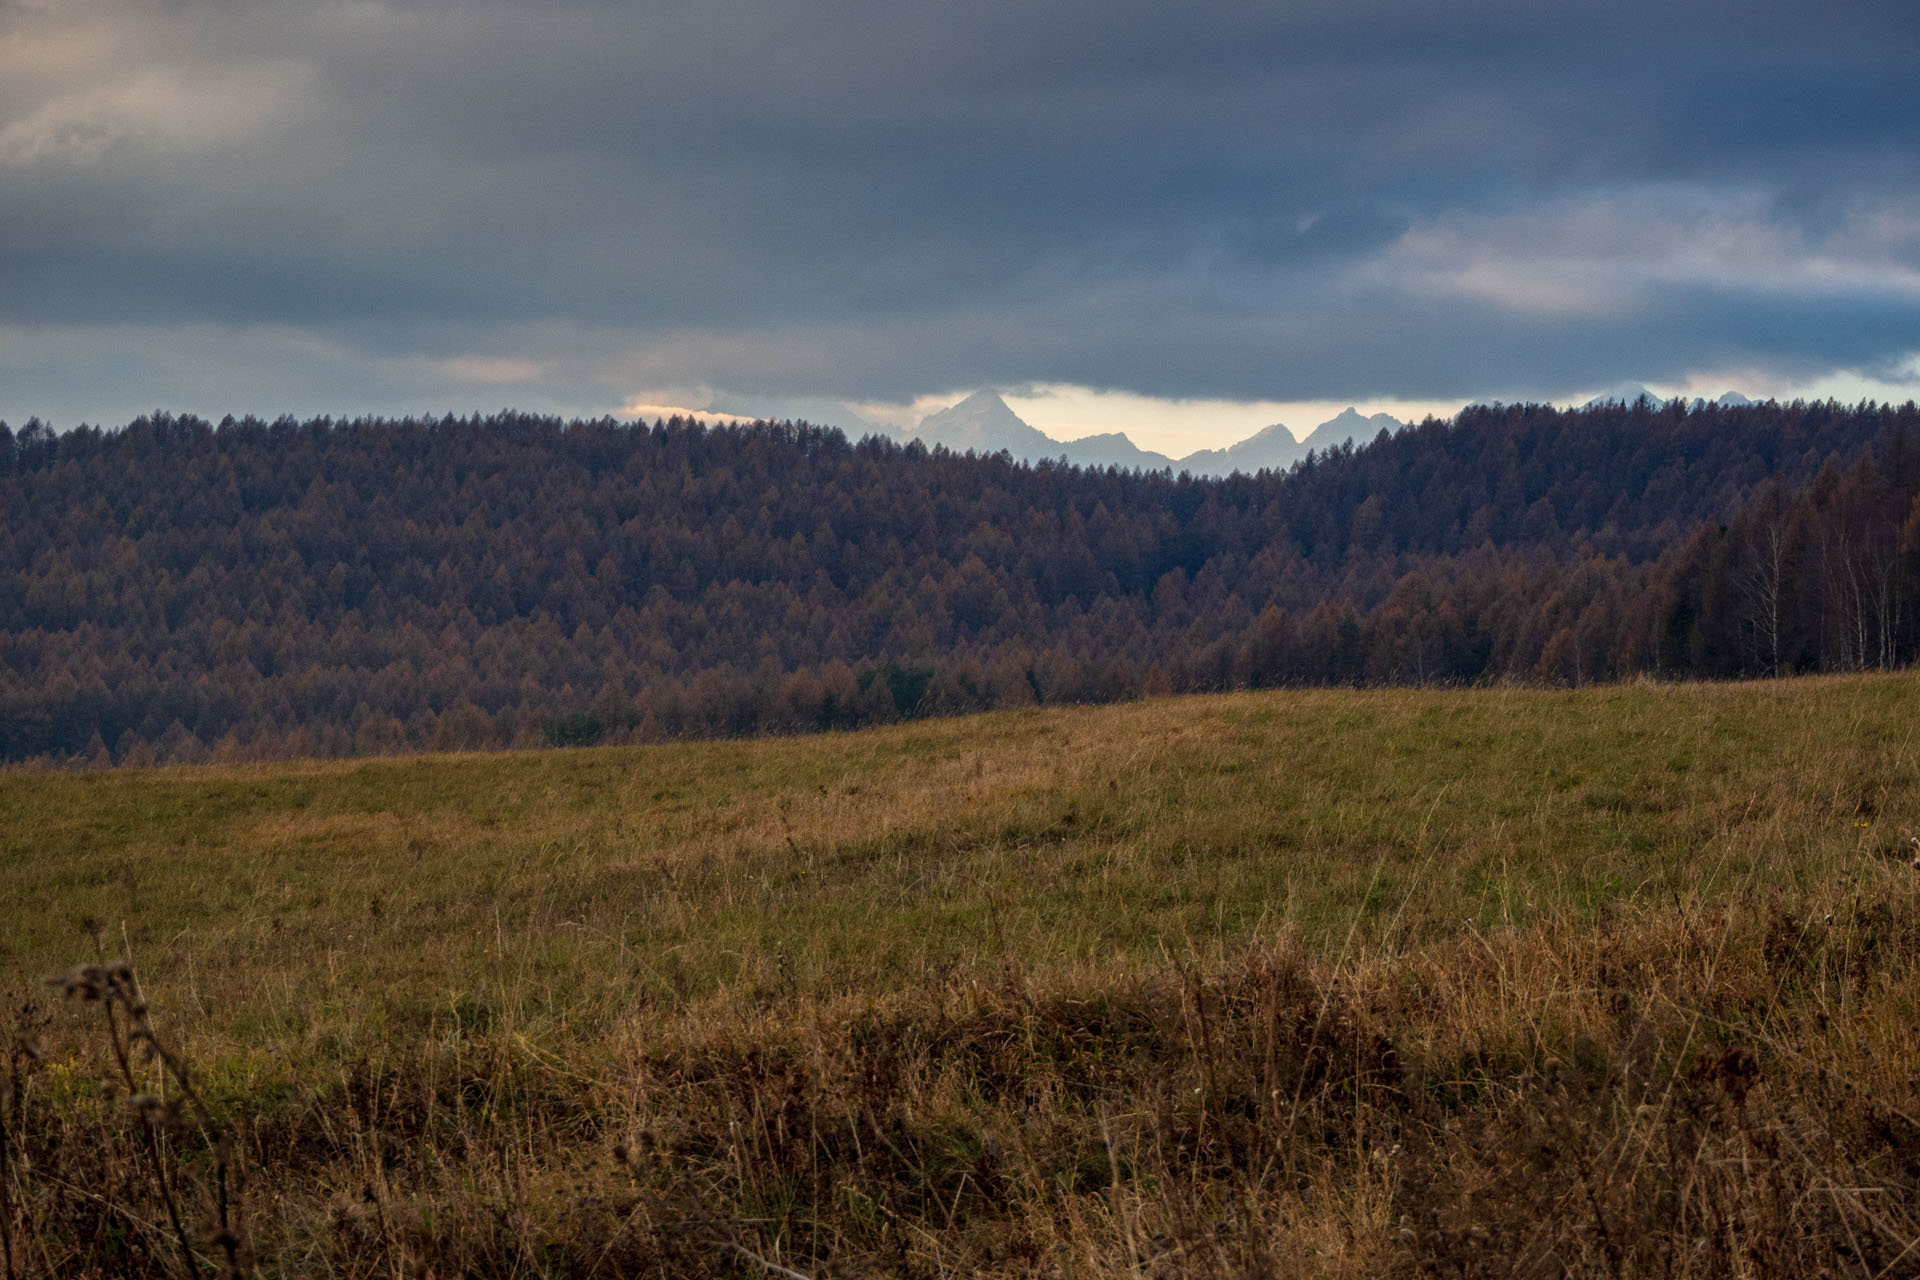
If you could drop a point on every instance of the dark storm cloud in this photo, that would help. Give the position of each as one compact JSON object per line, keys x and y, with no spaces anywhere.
{"x":868,"y":200}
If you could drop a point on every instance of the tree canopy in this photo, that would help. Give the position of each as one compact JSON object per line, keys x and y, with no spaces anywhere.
{"x":176,"y":589}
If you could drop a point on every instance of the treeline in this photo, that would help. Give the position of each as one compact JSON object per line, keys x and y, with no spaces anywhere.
{"x":176,"y":590}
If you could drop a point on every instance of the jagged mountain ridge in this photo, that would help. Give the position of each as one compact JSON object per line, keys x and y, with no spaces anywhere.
{"x":1349,"y":424}
{"x":1632,"y":393}
{"x":983,"y":423}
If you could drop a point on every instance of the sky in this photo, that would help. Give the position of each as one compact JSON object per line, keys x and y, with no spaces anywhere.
{"x":1183,"y":221}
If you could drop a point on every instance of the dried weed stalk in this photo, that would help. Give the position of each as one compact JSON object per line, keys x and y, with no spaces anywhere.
{"x":164,"y":1110}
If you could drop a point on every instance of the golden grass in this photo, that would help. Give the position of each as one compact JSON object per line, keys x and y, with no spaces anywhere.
{"x":1615,"y":981}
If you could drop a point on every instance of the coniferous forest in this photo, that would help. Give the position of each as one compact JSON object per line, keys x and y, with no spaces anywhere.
{"x":177,"y":590}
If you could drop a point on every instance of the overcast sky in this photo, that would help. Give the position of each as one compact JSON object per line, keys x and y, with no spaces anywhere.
{"x":1209,"y":212}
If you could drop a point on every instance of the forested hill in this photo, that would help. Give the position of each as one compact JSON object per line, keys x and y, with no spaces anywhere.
{"x":175,"y":589}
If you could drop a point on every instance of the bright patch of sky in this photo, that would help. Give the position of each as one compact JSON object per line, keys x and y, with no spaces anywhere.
{"x":1180,"y":427}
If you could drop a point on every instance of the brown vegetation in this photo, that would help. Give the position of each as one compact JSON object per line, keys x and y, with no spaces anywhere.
{"x":1614,"y":983}
{"x":1699,"y":1092}
{"x":177,"y":593}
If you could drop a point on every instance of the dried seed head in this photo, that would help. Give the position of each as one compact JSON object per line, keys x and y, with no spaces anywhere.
{"x":82,"y":982}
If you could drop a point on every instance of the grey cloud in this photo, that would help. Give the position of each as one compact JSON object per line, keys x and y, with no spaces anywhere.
{"x":859,"y":199}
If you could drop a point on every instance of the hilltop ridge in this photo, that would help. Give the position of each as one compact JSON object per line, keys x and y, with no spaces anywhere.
{"x":175,"y":589}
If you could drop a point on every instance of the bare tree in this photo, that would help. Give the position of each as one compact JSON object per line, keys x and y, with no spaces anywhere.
{"x":1761,"y":583}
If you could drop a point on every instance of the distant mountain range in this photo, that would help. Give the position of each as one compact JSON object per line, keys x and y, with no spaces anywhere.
{"x":1276,"y":448}
{"x":982,"y":423}
{"x":1633,"y":393}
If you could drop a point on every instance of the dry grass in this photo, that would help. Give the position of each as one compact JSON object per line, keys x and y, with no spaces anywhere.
{"x":1611,"y":982}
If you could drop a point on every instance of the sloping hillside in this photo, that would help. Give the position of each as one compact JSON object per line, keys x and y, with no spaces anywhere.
{"x":177,"y":590}
{"x":1488,"y":982}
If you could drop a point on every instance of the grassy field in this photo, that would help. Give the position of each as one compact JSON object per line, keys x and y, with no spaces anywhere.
{"x":1616,"y":981}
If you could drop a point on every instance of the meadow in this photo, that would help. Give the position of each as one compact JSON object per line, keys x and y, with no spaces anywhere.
{"x":1614,"y":981}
